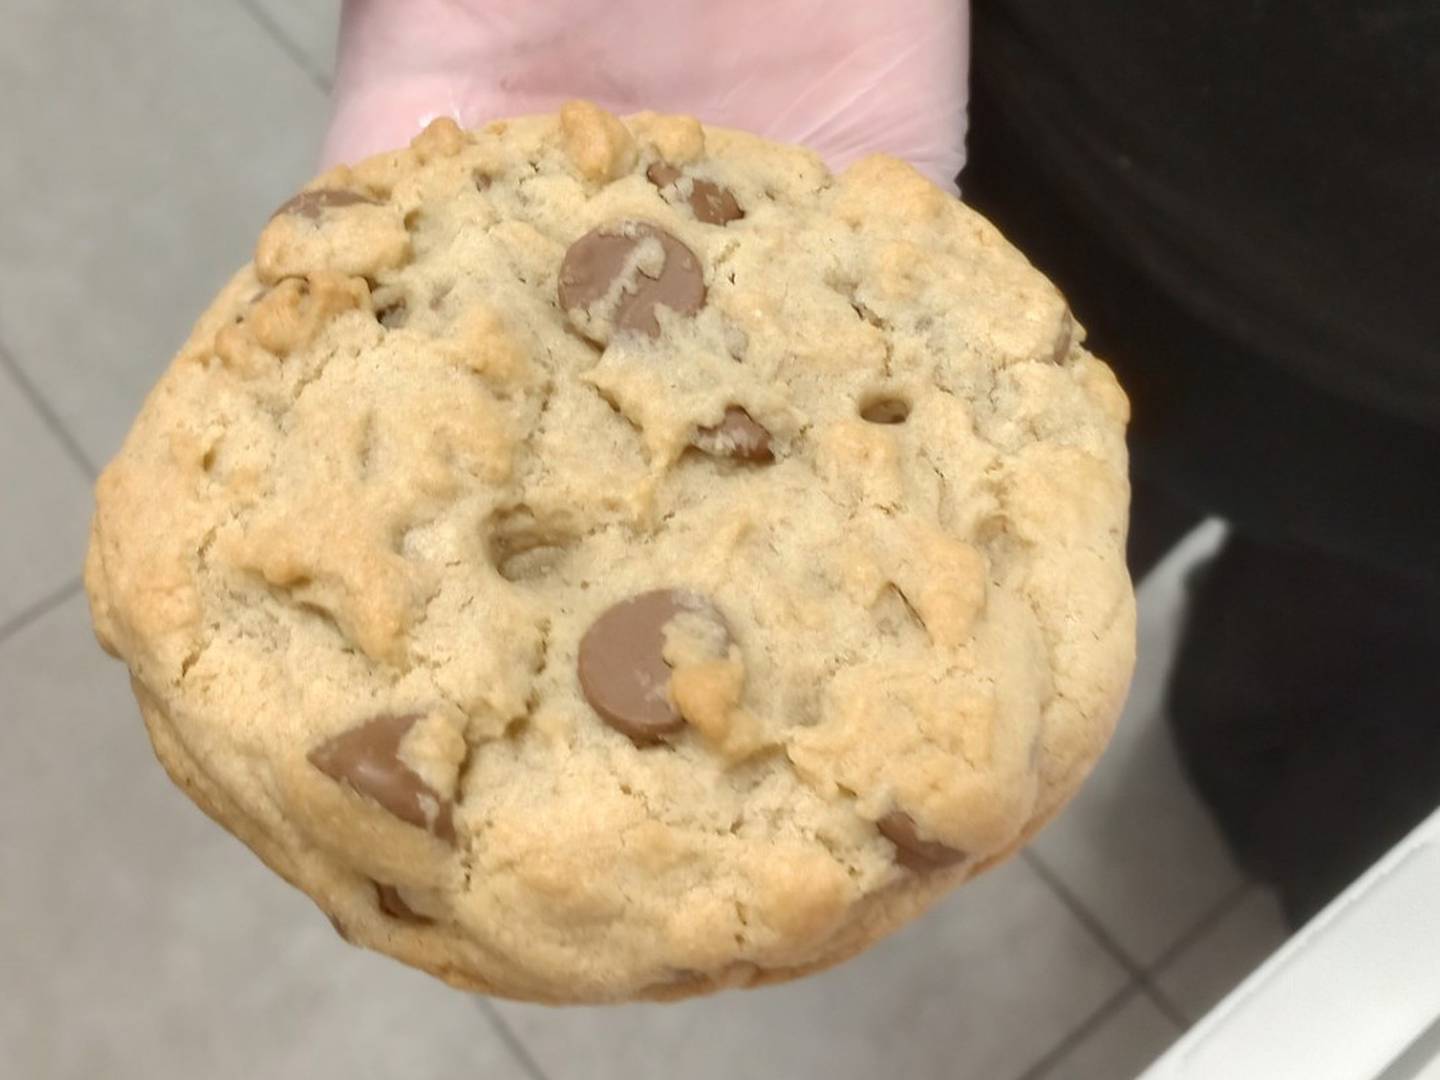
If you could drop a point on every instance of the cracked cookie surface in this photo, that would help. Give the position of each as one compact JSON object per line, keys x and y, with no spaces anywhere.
{"x":600,"y":559}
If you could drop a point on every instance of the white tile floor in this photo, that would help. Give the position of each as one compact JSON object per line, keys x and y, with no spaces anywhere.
{"x":144,"y":144}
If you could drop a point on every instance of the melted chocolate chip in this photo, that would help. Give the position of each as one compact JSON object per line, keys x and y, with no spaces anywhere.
{"x":709,"y":202}
{"x":367,"y":758}
{"x":911,"y":850}
{"x":736,"y":436}
{"x":622,"y":671}
{"x":310,"y":204}
{"x":602,"y":257}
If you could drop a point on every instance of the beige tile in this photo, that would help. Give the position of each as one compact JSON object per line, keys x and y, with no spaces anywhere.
{"x":983,"y":986}
{"x":44,"y":506}
{"x":310,"y":25}
{"x":1120,"y":1048}
{"x":138,"y":940}
{"x":1137,"y":847}
{"x":1209,"y":968}
{"x":145,"y":144}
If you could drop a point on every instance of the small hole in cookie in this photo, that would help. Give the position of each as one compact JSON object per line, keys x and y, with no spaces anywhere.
{"x":523,"y":548}
{"x":393,"y":316}
{"x":413,"y":219}
{"x":208,"y":461}
{"x":885,"y":409}
{"x":529,"y":563}
{"x":483,"y":180}
{"x":390,"y":304}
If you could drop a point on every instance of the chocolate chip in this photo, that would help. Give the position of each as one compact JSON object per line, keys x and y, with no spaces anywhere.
{"x":310,"y":204}
{"x":602,"y":258}
{"x":393,"y":904}
{"x":662,"y":174}
{"x":709,"y":202}
{"x":736,"y":436}
{"x":885,"y":411}
{"x":622,"y":670}
{"x":368,"y":759}
{"x":714,"y":204}
{"x":911,"y":851}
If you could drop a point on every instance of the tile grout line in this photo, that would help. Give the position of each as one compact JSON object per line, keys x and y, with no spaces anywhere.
{"x":1192,"y":936}
{"x":1201,"y":926}
{"x":512,"y":1042}
{"x":40,"y":608}
{"x":1135,"y":970}
{"x":288,"y":47}
{"x":1081,"y":1031}
{"x":48,"y":416}
{"x":1142,"y":981}
{"x":1165,"y":1006}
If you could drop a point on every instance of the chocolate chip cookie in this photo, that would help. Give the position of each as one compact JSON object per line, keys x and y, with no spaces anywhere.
{"x":602,"y":559}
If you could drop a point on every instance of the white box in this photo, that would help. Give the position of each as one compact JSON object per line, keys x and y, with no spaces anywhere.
{"x":1355,"y":995}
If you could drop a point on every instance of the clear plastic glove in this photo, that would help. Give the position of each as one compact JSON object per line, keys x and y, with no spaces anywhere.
{"x":844,"y":77}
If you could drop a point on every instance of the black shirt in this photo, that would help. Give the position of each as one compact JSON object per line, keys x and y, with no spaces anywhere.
{"x":1274,"y":166}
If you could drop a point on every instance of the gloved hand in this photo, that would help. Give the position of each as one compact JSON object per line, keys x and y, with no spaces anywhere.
{"x":844,"y":77}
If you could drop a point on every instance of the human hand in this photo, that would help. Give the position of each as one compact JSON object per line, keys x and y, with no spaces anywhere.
{"x":845,"y":79}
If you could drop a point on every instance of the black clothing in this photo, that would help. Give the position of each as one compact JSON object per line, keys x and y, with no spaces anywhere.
{"x":1241,"y":199}
{"x":1304,"y":703}
{"x":1274,"y":167}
